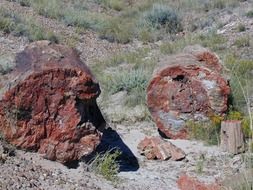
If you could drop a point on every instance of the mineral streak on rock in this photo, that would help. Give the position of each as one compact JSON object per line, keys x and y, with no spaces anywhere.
{"x":49,"y":103}
{"x":186,"y":87}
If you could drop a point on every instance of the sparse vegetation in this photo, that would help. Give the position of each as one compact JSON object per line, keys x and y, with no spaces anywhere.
{"x":13,"y":23}
{"x":206,"y":131}
{"x":243,"y":41}
{"x":200,"y":164}
{"x":160,"y":16}
{"x":250,"y":14}
{"x":133,"y":79}
{"x":236,"y":115}
{"x":117,"y":5}
{"x":241,"y":27}
{"x":106,"y":165}
{"x":211,"y":40}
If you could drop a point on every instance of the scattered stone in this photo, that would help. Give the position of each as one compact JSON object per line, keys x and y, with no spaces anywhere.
{"x":185,"y":86}
{"x":186,"y":182}
{"x":49,"y":103}
{"x":157,"y":148}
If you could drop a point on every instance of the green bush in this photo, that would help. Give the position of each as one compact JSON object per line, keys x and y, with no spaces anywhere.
{"x":161,"y":16}
{"x":6,"y":64}
{"x":117,"y":30}
{"x":25,"y":3}
{"x":240,"y":80}
{"x":236,"y":115}
{"x":129,"y":80}
{"x":48,"y":8}
{"x":106,"y":165}
{"x":243,"y":41}
{"x":18,"y":26}
{"x":250,"y":14}
{"x":219,"y":4}
{"x":241,"y":27}
{"x":7,"y":21}
{"x":78,"y":19}
{"x":117,"y":5}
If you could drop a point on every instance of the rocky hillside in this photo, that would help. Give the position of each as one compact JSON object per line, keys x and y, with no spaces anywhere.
{"x":126,"y":44}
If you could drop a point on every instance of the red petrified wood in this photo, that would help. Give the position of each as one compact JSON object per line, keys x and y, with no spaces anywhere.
{"x":186,"y":86}
{"x":49,"y":103}
{"x":188,"y":183}
{"x":157,"y":148}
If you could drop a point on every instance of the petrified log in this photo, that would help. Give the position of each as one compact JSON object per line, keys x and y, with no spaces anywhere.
{"x":49,"y":103}
{"x":232,"y":137}
{"x":184,"y":87}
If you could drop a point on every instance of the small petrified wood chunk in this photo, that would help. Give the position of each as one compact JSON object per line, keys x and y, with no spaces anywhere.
{"x":157,"y":148}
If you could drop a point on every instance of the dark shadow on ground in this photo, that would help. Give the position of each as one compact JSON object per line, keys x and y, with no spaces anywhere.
{"x":111,"y":141}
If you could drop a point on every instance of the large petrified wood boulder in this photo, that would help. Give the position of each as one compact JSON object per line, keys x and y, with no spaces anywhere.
{"x":49,"y":103}
{"x":186,"y":86}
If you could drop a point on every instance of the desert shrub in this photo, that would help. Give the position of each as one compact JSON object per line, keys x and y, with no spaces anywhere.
{"x":243,"y":41}
{"x":6,"y":25}
{"x":212,"y":40}
{"x":208,"y":132}
{"x":25,"y":3}
{"x":115,"y":30}
{"x":240,"y":80}
{"x":7,"y":21}
{"x":117,"y":5}
{"x":250,"y":14}
{"x":128,"y":72}
{"x":129,"y":81}
{"x":6,"y":64}
{"x":106,"y":164}
{"x":219,"y":4}
{"x":146,"y":35}
{"x":236,"y":115}
{"x":161,"y":16}
{"x":29,"y":28}
{"x":78,"y":19}
{"x":48,"y":8}
{"x":200,"y":164}
{"x":241,"y":27}
{"x":18,"y":26}
{"x":83,"y":19}
{"x":168,"y":48}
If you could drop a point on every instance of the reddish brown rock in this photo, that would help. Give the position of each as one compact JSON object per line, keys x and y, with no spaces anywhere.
{"x":183,"y":88}
{"x":188,"y":183}
{"x":157,"y":148}
{"x":49,"y":103}
{"x":205,"y":56}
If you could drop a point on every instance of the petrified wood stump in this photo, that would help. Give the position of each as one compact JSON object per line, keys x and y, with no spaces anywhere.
{"x":49,"y":103}
{"x":232,"y":137}
{"x":183,"y":87}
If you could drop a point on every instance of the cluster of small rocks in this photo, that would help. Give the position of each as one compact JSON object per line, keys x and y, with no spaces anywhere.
{"x":26,"y":171}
